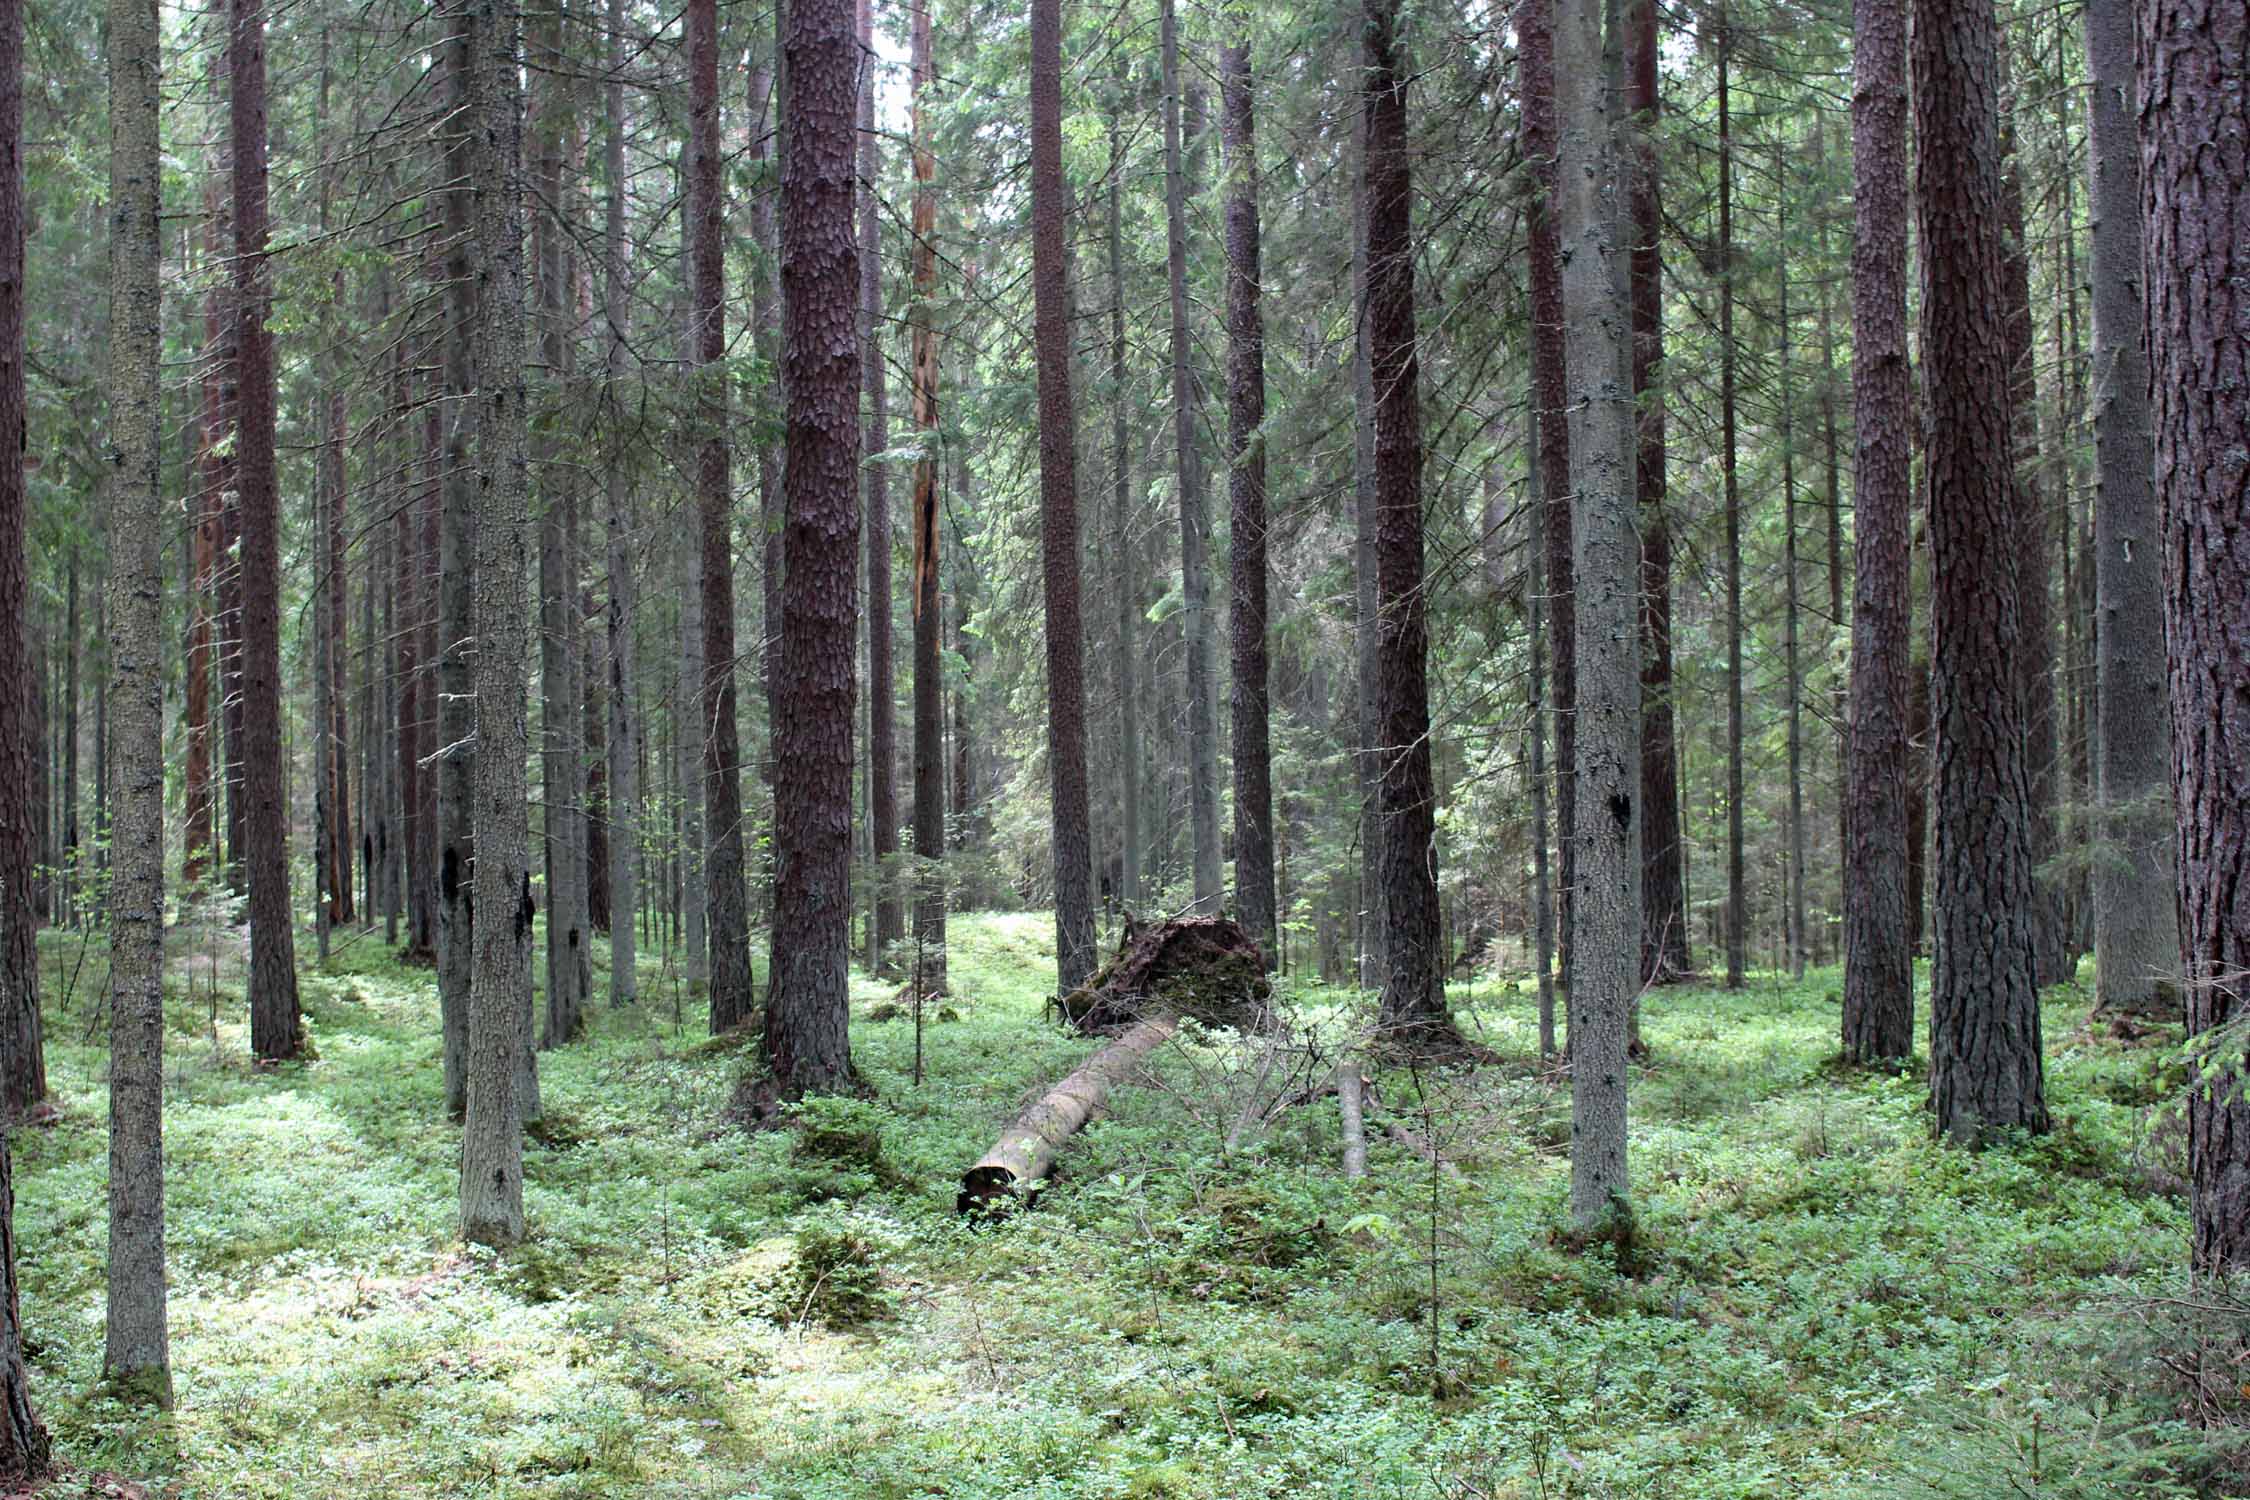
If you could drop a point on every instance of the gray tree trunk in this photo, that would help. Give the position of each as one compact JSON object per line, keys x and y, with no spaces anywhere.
{"x":136,"y":1355}
{"x":500,"y":997}
{"x":624,"y":708}
{"x":1195,"y":514}
{"x":1606,"y":910}
{"x":1126,"y":583}
{"x":2136,"y":915}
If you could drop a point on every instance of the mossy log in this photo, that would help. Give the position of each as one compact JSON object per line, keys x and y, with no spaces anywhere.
{"x":1017,"y":1165}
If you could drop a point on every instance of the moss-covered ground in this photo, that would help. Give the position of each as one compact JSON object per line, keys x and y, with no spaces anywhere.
{"x":1821,"y":1301}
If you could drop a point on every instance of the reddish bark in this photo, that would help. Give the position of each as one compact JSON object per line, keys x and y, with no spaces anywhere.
{"x":1878,"y":1018}
{"x":807,"y":1045}
{"x":276,"y":1026}
{"x":2193,"y":58}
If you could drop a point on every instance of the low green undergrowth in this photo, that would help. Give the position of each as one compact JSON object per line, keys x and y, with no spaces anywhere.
{"x":1816,"y":1300}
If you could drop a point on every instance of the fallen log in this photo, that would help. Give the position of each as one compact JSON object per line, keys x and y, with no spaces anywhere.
{"x":1017,"y":1165}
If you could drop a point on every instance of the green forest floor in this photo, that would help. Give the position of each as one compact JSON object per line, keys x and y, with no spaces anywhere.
{"x":1821,"y":1301}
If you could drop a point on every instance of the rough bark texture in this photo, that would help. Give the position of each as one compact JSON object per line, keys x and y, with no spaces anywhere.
{"x":449,"y":871}
{"x":765,"y":319}
{"x":624,"y":709}
{"x":1664,"y":916}
{"x":23,"y":1060}
{"x":1195,"y":514}
{"x":1542,"y":877}
{"x":2136,"y":916}
{"x":1590,"y":214}
{"x":136,"y":1350}
{"x":562,"y":812}
{"x":1246,"y":484}
{"x":1878,"y":1020}
{"x":929,"y":610}
{"x":882,"y":707}
{"x":733,"y":995}
{"x":1058,"y":509}
{"x":24,"y":1450}
{"x":1986,"y":1069}
{"x":276,"y":1025}
{"x":1536,"y":58}
{"x":806,"y":1042}
{"x":1125,"y":581}
{"x":500,"y":995}
{"x":199,"y":837}
{"x":2194,"y":63}
{"x":1413,"y":1017}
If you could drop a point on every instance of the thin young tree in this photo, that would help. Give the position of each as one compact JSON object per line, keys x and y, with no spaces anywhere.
{"x":2136,"y":918}
{"x":1878,"y":1019}
{"x":1986,"y":1070}
{"x":276,"y":1024}
{"x":2194,"y":67}
{"x":1246,"y":488}
{"x":807,"y":1041}
{"x":1591,"y":220}
{"x":136,"y":1351}
{"x":1058,"y":509}
{"x":929,"y":620}
{"x":1195,"y":514}
{"x":1413,"y":1017}
{"x":500,"y":995}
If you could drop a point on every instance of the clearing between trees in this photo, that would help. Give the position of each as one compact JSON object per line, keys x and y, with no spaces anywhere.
{"x":1817,"y":1300}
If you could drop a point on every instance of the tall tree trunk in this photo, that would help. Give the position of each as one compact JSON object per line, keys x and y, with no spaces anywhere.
{"x":1738,"y":907}
{"x":1195,"y":517}
{"x":136,"y":1351}
{"x":1246,"y":416}
{"x":500,"y":998}
{"x":200,"y":825}
{"x":276,"y":1025}
{"x":1590,"y":217}
{"x":1058,"y":493}
{"x":561,"y":713}
{"x":733,"y":995}
{"x":807,"y":1041}
{"x":882,"y":709}
{"x":1664,"y":915}
{"x":624,"y":708}
{"x":1414,"y":1017}
{"x":765,"y":318}
{"x":447,"y":876}
{"x":1986,"y":1070}
{"x":23,"y":1062}
{"x":1792,"y":664}
{"x":25,"y":1453}
{"x":2035,"y":627}
{"x":929,"y":613}
{"x":1367,"y":619}
{"x":1542,"y":877}
{"x":2136,"y":919}
{"x":1126,"y":581}
{"x":2195,"y":204}
{"x":1535,"y":29}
